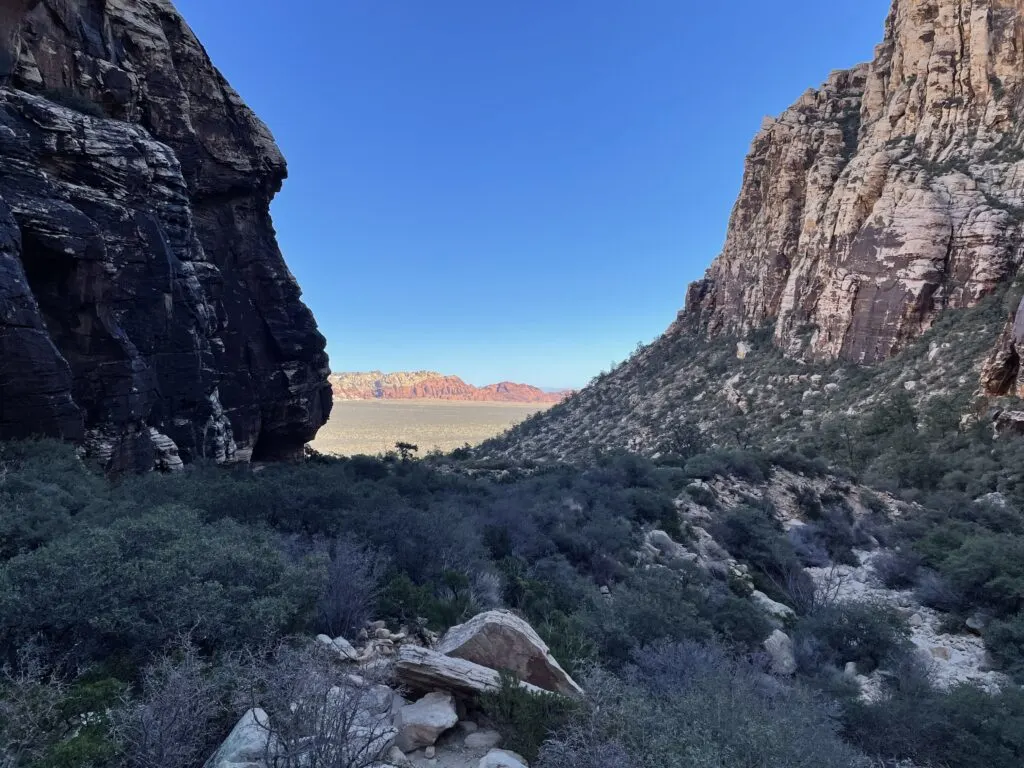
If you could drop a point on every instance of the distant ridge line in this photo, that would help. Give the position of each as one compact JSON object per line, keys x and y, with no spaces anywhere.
{"x":431,"y":385}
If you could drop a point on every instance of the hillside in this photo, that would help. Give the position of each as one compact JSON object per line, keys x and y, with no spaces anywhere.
{"x":875,"y":243}
{"x":429,"y":385}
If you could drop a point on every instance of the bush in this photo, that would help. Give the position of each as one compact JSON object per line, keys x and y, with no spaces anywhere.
{"x":140,"y":583}
{"x":1005,"y":641}
{"x":989,"y":571}
{"x":172,"y":723}
{"x":897,"y":570}
{"x":870,"y":635}
{"x":964,"y":727}
{"x":684,"y":704}
{"x":317,"y":716}
{"x":351,"y":589}
{"x":525,"y":719}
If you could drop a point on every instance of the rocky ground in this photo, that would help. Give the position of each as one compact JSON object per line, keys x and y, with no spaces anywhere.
{"x":952,"y":658}
{"x":421,"y":717}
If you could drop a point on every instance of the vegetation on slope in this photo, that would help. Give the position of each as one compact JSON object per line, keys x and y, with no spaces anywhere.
{"x":100,"y":580}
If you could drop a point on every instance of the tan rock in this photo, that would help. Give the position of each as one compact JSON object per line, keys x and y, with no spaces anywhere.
{"x":422,"y":669}
{"x":421,"y":723}
{"x":501,"y":640}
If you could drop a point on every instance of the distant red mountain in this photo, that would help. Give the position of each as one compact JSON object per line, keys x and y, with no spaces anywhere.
{"x":429,"y":385}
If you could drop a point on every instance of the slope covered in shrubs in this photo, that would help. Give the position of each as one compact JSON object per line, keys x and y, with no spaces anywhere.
{"x":102,"y":581}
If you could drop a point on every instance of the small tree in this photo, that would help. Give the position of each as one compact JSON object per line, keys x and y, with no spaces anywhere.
{"x":406,"y":451}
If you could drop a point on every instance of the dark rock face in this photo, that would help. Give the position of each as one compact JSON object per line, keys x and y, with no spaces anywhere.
{"x":147,"y":309}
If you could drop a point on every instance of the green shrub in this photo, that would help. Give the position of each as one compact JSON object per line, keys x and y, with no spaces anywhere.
{"x":871,"y":635}
{"x":133,"y":586}
{"x":964,"y":727}
{"x":1004,"y":639}
{"x":525,"y":719}
{"x":687,"y":705}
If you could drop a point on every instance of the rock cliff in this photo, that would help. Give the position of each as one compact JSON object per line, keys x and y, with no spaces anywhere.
{"x":891,"y":193}
{"x":888,"y":197}
{"x":429,"y":385}
{"x":147,"y":311}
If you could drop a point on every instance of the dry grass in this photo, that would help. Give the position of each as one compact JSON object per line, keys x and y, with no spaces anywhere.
{"x":374,"y":426}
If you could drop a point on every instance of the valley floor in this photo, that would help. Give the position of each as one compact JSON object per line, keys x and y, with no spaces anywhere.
{"x":374,"y":426}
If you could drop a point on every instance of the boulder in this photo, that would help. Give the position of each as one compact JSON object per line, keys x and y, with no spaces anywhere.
{"x":780,"y":649}
{"x":773,"y":608}
{"x":501,"y":758}
{"x":421,"y":669}
{"x":420,"y":724}
{"x":247,"y":744}
{"x":501,"y":640}
{"x":339,"y":645}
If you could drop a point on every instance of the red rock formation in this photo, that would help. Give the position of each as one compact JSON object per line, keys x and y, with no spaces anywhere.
{"x":428,"y":385}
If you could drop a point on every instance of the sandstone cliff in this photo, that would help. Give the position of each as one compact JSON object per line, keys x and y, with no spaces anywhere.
{"x":429,"y":385}
{"x":891,"y":193}
{"x":147,"y":311}
{"x":888,"y":197}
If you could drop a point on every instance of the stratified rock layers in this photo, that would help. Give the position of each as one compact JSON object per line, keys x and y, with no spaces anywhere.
{"x":893,"y":192}
{"x":146,"y":308}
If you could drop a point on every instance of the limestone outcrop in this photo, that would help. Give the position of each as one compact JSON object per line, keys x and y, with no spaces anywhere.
{"x":147,"y":311}
{"x":891,"y":193}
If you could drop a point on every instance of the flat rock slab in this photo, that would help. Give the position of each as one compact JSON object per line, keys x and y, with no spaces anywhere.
{"x":422,"y":669}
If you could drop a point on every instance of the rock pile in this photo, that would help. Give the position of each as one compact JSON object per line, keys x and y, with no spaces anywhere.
{"x":433,"y":729}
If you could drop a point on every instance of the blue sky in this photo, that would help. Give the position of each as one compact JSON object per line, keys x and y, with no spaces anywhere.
{"x":514,"y":189}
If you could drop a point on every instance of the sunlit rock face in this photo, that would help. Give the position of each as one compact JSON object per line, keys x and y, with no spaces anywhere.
{"x":145,"y":308}
{"x":894,"y":191}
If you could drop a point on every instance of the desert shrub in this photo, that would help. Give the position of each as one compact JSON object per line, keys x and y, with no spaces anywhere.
{"x":661,"y":605}
{"x":809,"y":545}
{"x":172,"y":723}
{"x":654,"y":508}
{"x":989,"y":571}
{"x":807,"y":501}
{"x":139,"y":583}
{"x":800,"y":463}
{"x":684,"y":704}
{"x":317,"y":716}
{"x":897,"y":570}
{"x":745,"y":465}
{"x":524,"y":718}
{"x":351,"y":588}
{"x":964,"y":727}
{"x":868,"y":634}
{"x":935,"y":592}
{"x":754,"y":536}
{"x":43,"y":720}
{"x":1004,"y":639}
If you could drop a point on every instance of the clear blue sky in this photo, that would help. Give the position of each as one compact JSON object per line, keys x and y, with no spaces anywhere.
{"x":514,"y":189}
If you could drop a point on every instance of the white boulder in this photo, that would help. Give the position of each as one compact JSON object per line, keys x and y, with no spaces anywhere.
{"x":248,"y":744}
{"x":420,"y":724}
{"x":780,"y":649}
